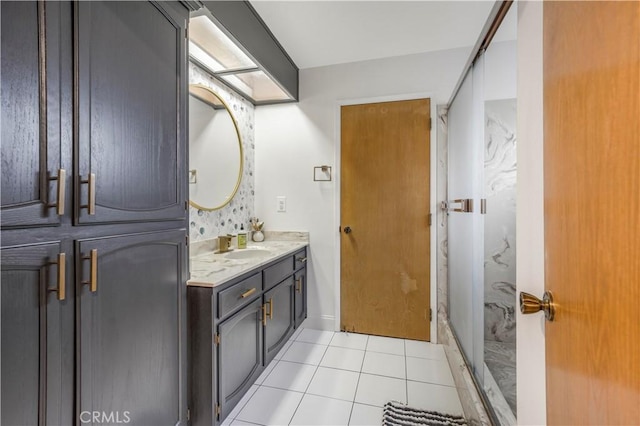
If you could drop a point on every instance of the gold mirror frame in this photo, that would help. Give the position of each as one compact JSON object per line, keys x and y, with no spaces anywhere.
{"x":210,"y":98}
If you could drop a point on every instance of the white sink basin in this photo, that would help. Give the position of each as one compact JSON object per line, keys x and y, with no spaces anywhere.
{"x":247,"y":254}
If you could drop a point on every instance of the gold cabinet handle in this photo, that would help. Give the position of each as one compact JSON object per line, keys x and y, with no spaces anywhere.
{"x":91,"y":194}
{"x":264,"y":314}
{"x":299,"y":285}
{"x":530,"y":304}
{"x":270,"y":314}
{"x":248,"y":293}
{"x":93,"y":270}
{"x":302,"y":259}
{"x":61,"y":178}
{"x":62,"y":271}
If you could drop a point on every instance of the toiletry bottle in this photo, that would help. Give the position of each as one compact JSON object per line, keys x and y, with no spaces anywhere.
{"x":242,"y":238}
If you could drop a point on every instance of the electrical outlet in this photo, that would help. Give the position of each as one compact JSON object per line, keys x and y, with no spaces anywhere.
{"x":282,"y":204}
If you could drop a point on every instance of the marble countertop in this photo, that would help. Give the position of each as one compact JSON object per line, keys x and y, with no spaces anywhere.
{"x":211,"y":270}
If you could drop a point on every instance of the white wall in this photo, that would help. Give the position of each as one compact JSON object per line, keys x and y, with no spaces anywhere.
{"x":500,"y":71}
{"x":293,"y":138}
{"x":530,"y":215}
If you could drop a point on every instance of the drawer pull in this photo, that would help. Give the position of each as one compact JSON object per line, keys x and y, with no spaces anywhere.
{"x":248,"y":293}
{"x":270,"y":314}
{"x":93,"y":270}
{"x":91,"y":194}
{"x":62,"y":184}
{"x":264,"y":314}
{"x":302,"y":259}
{"x":62,"y":268}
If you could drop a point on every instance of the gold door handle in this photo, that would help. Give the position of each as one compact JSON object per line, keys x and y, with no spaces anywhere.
{"x":270,"y":314}
{"x":61,"y":191}
{"x":264,"y":314}
{"x":248,"y":293}
{"x":93,"y":270}
{"x":62,"y":271}
{"x":530,"y":304}
{"x":91,"y":194}
{"x":299,"y":285}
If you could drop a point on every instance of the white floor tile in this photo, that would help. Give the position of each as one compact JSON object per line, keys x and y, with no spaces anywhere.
{"x":247,"y":396}
{"x":318,"y":410}
{"x":378,"y":390}
{"x":319,"y":337}
{"x":387,"y":345}
{"x":284,"y":349}
{"x":340,"y":384}
{"x":266,"y":372}
{"x":418,"y":349}
{"x":439,"y":398}
{"x":307,"y":353}
{"x":429,"y":370}
{"x":343,"y":358}
{"x":384,"y":365}
{"x":240,"y":423}
{"x":350,"y":340}
{"x":269,"y":406}
{"x":365,"y":415}
{"x":291,"y":376}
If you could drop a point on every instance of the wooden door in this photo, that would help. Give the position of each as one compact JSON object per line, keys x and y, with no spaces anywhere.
{"x":131,"y":331}
{"x":239,"y":356}
{"x":33,"y":341}
{"x":592,"y":210}
{"x":30,"y":94}
{"x":131,"y":110}
{"x":384,"y":267}
{"x":280,"y":322}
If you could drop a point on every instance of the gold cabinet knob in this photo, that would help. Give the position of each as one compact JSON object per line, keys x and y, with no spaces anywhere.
{"x":530,"y":304}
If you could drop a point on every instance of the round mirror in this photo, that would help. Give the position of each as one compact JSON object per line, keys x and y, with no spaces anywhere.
{"x":215,"y":150}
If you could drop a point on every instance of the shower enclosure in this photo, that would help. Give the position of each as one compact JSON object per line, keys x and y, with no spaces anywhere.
{"x":482,"y":174}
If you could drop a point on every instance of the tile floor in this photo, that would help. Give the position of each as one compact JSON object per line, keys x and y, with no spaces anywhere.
{"x":327,"y":378}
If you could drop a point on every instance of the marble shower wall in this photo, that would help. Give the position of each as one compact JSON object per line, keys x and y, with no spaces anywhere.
{"x":500,"y":221}
{"x":205,"y":225}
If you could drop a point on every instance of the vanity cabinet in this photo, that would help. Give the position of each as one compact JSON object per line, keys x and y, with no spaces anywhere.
{"x":300,"y":279}
{"x":235,"y":331}
{"x":239,"y":355}
{"x":279,"y":319}
{"x":93,"y":134}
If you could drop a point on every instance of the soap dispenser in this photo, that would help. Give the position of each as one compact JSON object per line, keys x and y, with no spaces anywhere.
{"x":242,"y":238}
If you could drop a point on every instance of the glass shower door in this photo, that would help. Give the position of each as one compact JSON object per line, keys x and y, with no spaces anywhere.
{"x":465,"y":226}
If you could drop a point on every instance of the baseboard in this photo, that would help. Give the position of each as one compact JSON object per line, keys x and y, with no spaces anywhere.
{"x":324,"y":322}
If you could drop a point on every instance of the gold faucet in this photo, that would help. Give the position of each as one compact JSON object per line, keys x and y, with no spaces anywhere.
{"x":224,"y":243}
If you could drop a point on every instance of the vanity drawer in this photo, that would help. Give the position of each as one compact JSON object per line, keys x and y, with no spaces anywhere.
{"x":276,"y":273}
{"x":239,"y":294}
{"x":300,"y":259}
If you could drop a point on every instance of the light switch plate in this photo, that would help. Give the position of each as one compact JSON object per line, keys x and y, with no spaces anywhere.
{"x":281,"y":204}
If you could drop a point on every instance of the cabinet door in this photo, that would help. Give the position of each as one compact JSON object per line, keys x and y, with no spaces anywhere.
{"x":32,"y":338}
{"x":30,"y":96}
{"x":131,"y":112}
{"x":300,"y":296}
{"x":131,"y":359}
{"x":239,"y":356}
{"x":280,"y":325}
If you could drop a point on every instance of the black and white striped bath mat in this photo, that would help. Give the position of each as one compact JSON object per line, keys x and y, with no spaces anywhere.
{"x":398,"y":414}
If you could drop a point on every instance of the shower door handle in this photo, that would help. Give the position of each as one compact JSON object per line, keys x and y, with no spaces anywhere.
{"x":466,"y":205}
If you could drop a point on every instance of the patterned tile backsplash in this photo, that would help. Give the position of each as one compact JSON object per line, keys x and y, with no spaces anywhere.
{"x":204,"y":225}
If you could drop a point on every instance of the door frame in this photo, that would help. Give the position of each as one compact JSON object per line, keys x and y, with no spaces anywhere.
{"x":432,"y":200}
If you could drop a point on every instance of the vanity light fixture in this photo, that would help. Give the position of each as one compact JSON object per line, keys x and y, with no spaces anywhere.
{"x":213,"y":48}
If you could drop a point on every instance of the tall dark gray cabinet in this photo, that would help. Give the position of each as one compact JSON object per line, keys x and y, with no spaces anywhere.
{"x":94,"y":213}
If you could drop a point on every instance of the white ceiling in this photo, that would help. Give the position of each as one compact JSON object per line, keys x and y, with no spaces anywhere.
{"x":326,"y":32}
